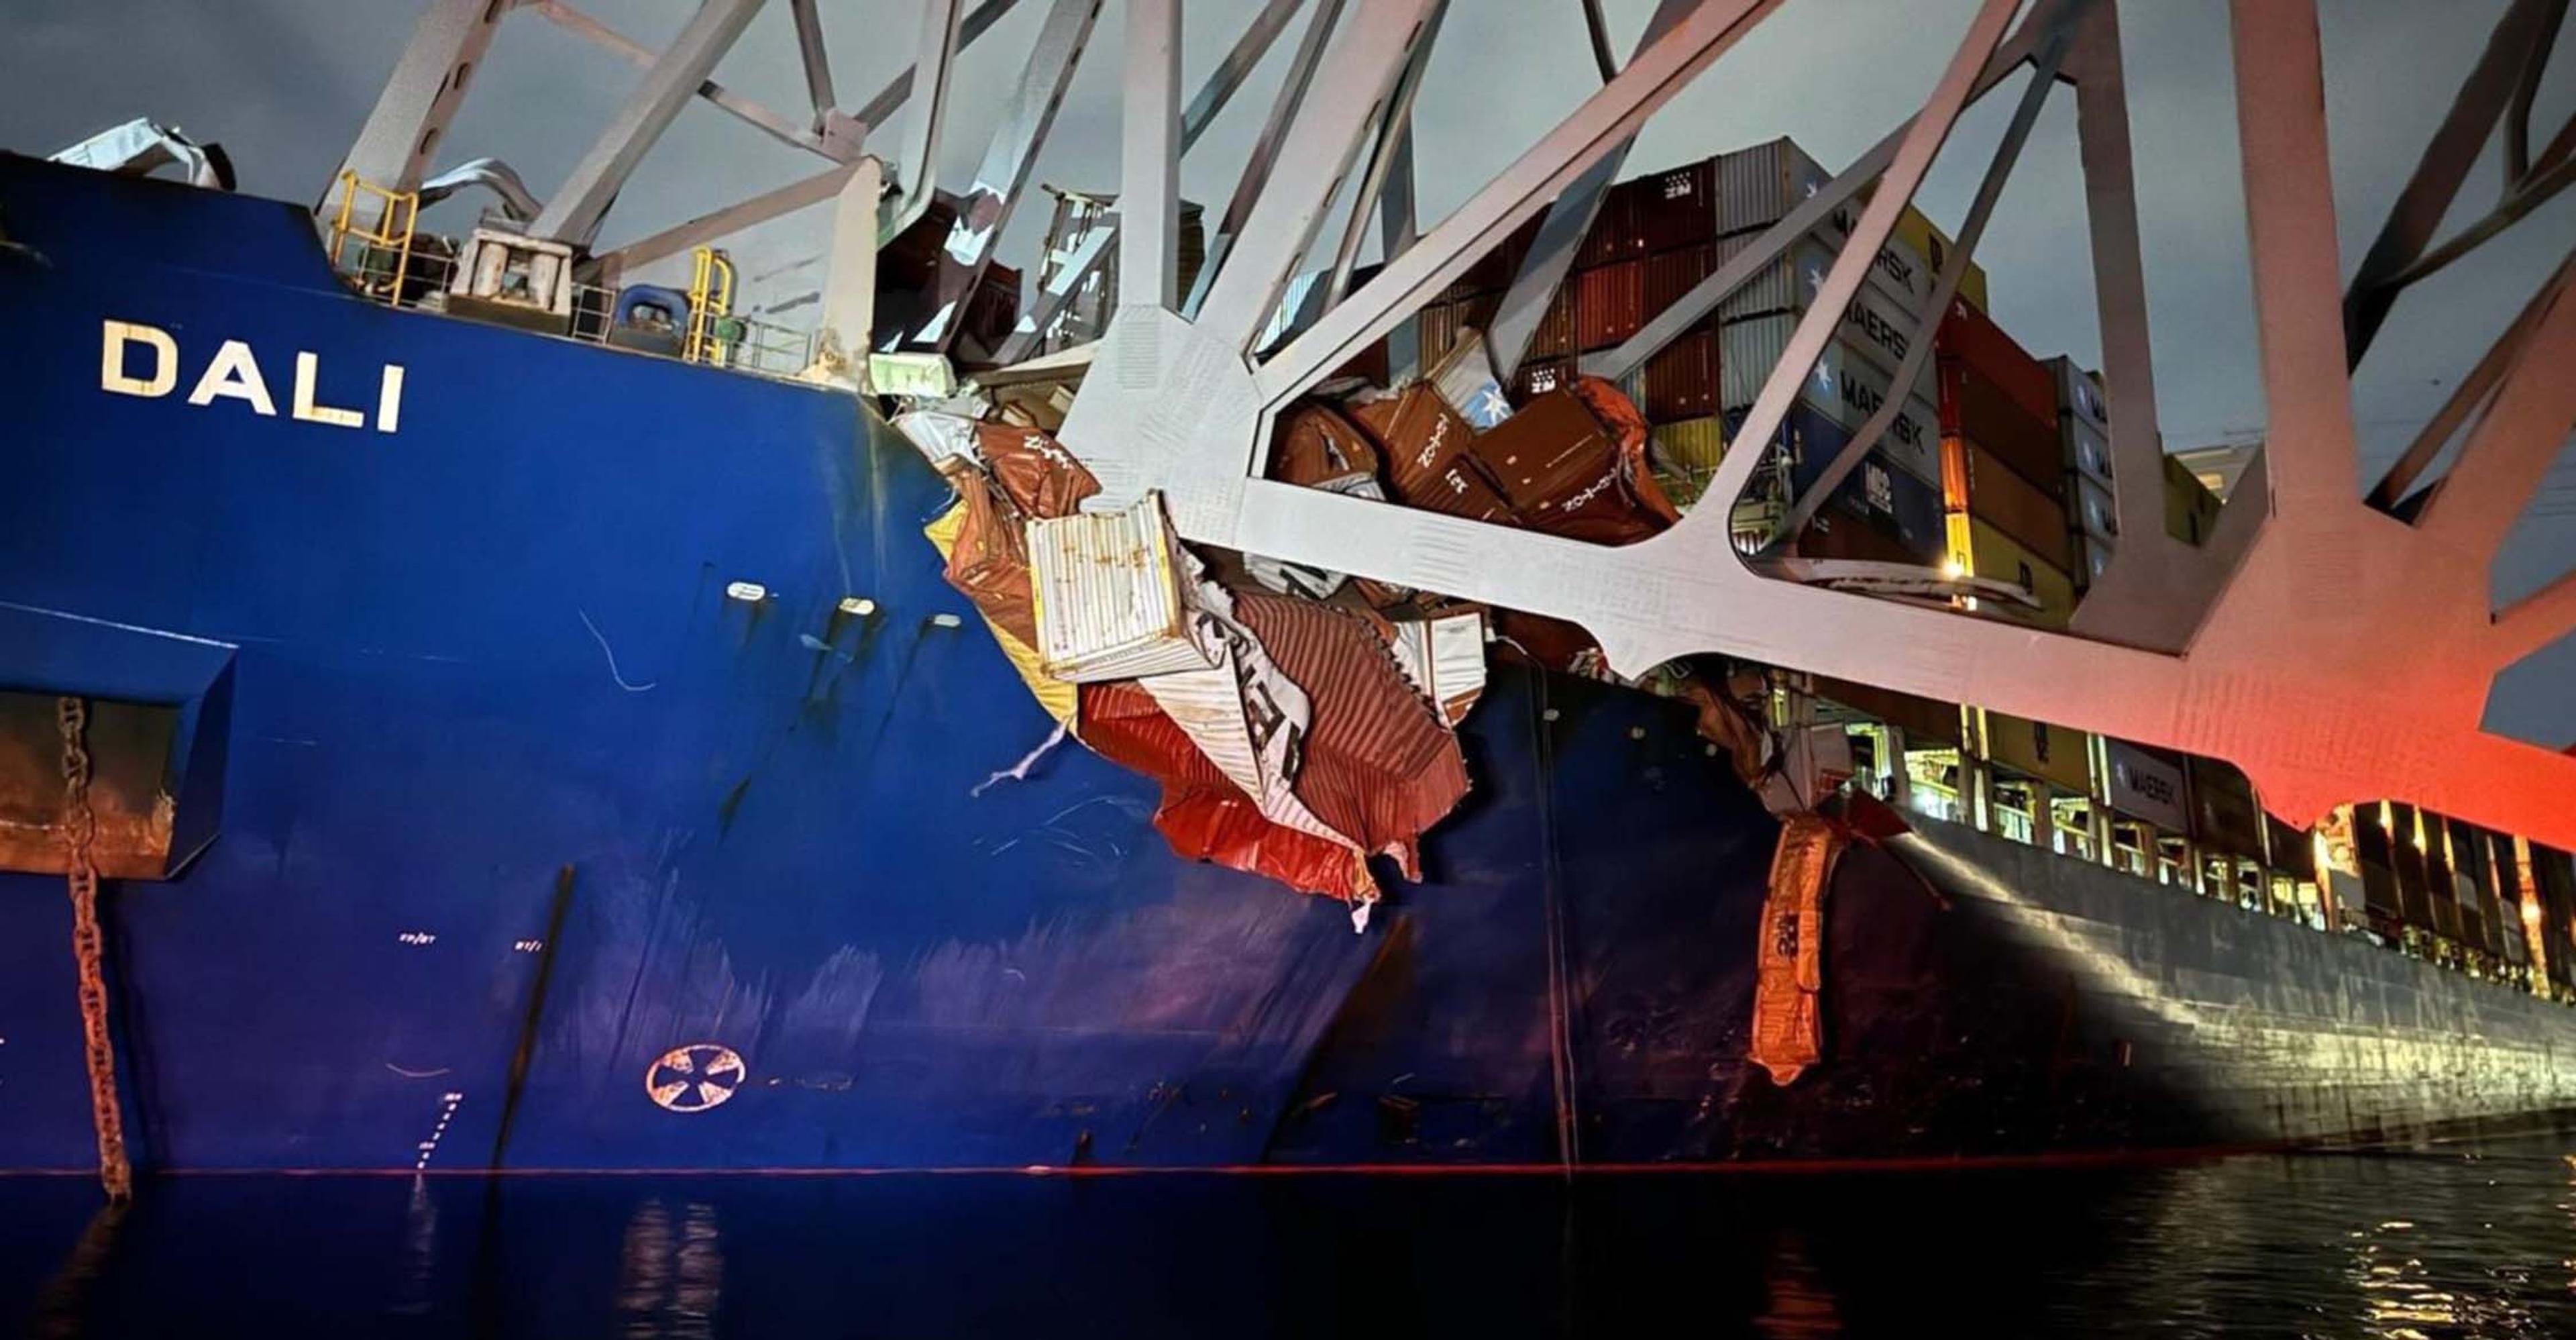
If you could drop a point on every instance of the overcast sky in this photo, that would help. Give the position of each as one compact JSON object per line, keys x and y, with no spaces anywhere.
{"x":284,"y":84}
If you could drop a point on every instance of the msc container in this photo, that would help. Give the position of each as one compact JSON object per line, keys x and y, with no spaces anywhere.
{"x":1609,"y":304}
{"x":1973,"y":481}
{"x":2096,"y":513}
{"x":1968,"y":335}
{"x":1677,"y":207}
{"x":1973,"y":406}
{"x":2080,"y":393}
{"x":1681,"y":381}
{"x":1987,"y":552}
{"x":1689,"y":446}
{"x":1908,"y":509}
{"x":2085,"y":449}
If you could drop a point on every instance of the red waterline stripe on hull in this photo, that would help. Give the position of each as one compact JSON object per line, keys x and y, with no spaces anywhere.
{"x":1762,"y":1167}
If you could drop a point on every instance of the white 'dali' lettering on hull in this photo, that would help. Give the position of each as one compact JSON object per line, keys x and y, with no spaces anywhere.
{"x":233,"y":373}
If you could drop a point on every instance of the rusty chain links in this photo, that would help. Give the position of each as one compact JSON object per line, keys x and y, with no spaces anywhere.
{"x":80,"y":834}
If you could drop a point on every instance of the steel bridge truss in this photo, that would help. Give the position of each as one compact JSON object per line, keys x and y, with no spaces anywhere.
{"x":2337,"y":646}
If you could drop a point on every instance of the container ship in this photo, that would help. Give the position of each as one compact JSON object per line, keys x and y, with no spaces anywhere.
{"x":510,"y":726}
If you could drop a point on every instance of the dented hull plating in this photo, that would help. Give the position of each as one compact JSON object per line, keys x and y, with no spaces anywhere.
{"x":670,"y":639}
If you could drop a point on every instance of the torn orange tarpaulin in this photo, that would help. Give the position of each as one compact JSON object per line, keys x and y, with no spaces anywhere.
{"x":1203,"y":815}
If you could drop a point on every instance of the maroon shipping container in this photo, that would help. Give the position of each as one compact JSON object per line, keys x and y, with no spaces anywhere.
{"x":1678,"y":207}
{"x":1670,"y":274}
{"x":2000,"y":497}
{"x":1681,"y":381}
{"x":1836,"y":534}
{"x":1493,"y":271}
{"x":1538,"y":376}
{"x":1554,"y":337}
{"x":1972,"y":337}
{"x":1614,"y":228}
{"x":1973,"y":406}
{"x":1609,"y":304}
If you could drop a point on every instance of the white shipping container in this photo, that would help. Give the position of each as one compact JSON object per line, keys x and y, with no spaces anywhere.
{"x":1111,"y":595}
{"x":2080,"y":393}
{"x":1756,"y":186}
{"x":1792,"y":280}
{"x":2088,"y":452}
{"x":2095,"y":514}
{"x":1844,"y":386}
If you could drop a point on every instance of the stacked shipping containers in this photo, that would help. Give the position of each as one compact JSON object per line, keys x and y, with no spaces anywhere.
{"x":2084,"y":441}
{"x":2003,"y":470}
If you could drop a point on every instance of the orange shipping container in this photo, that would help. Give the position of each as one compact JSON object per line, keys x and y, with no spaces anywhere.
{"x":1974,"y":482}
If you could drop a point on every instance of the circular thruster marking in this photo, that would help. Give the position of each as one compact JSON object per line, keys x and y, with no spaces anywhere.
{"x":694,"y":1077}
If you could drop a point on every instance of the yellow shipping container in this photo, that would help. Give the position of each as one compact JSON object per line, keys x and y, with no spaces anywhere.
{"x":1987,"y":552}
{"x":1933,"y":245}
{"x":1691,"y":445}
{"x":2191,"y":510}
{"x":2052,"y":754}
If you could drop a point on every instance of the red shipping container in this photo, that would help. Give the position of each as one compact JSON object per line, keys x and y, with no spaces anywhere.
{"x":1538,"y":376}
{"x":1972,"y":337}
{"x":1609,"y":304}
{"x":1493,"y":271}
{"x":1681,"y":381}
{"x":1835,"y":534}
{"x":1554,"y":337}
{"x":1973,"y":406}
{"x":1678,"y":207}
{"x":1671,"y":274}
{"x":1614,"y":228}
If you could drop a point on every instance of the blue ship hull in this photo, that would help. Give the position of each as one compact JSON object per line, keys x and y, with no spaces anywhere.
{"x":442,"y":676}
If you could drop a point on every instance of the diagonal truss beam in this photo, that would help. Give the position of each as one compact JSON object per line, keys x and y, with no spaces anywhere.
{"x":1265,"y":147}
{"x":773,"y":124}
{"x":984,"y":211}
{"x":574,"y":212}
{"x":1954,"y":268}
{"x":1561,"y":233}
{"x":933,"y":62}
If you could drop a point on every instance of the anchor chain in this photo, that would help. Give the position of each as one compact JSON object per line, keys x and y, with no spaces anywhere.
{"x":80,"y":835}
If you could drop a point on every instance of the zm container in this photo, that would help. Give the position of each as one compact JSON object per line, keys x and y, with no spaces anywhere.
{"x":1614,"y":236}
{"x":1538,"y":376}
{"x":1671,"y":274}
{"x":1677,"y":207}
{"x":1973,"y":481}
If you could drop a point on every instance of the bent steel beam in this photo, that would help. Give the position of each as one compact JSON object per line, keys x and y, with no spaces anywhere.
{"x":773,"y":124}
{"x":573,"y":214}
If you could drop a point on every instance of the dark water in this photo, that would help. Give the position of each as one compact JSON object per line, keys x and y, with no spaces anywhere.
{"x":2442,"y":1241}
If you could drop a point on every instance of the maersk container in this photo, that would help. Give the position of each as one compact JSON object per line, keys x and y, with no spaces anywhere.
{"x":1843,"y":386}
{"x":2096,"y":513}
{"x":2080,"y":393}
{"x":1896,"y":279}
{"x":1756,"y":186}
{"x":2087,"y":450}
